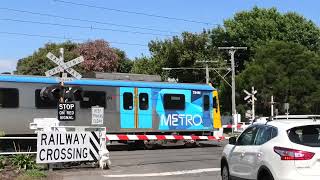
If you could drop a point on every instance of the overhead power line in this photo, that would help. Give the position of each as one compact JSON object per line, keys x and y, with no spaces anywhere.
{"x":64,"y":38}
{"x":85,"y":20}
{"x":183,"y":68}
{"x":134,"y":12}
{"x":82,"y":27}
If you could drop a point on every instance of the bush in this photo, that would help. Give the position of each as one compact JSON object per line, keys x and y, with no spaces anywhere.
{"x":24,"y":161}
{"x":2,"y":163}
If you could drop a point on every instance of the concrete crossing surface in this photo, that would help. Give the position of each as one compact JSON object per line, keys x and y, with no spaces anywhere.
{"x":165,"y":163}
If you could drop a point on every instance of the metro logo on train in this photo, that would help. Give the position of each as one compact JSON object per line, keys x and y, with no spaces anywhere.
{"x":181,"y":119}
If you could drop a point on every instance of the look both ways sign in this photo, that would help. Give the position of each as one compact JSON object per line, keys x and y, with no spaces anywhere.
{"x":67,"y":146}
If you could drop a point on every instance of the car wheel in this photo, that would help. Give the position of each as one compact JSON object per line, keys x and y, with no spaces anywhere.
{"x":267,"y":177}
{"x":225,"y":173}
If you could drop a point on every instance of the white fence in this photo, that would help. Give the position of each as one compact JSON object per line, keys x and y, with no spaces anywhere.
{"x":17,"y":152}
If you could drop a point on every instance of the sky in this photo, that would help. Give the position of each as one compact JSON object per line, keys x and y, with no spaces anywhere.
{"x":127,"y":24}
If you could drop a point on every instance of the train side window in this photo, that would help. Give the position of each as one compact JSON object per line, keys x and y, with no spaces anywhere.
{"x":9,"y":98}
{"x":206,"y":103}
{"x":143,"y":101}
{"x":174,"y":101}
{"x":214,"y":102}
{"x":127,"y":101}
{"x":93,"y":98}
{"x":45,"y":103}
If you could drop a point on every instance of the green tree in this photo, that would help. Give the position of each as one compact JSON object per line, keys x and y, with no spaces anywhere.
{"x":124,"y":64}
{"x":258,"y":26}
{"x":253,"y":29}
{"x":287,"y":70}
{"x":38,"y":63}
{"x":98,"y":55}
{"x":143,"y":65}
{"x":247,"y":28}
{"x":183,"y":51}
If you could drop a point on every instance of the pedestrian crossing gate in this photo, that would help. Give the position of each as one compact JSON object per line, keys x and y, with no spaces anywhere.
{"x":63,"y":145}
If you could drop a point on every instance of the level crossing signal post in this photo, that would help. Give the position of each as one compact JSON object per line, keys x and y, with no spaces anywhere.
{"x":250,"y":98}
{"x":64,"y":113}
{"x":61,"y":68}
{"x":272,"y":103}
{"x":58,"y":144}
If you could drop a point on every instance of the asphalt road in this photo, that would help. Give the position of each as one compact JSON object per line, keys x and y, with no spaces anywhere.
{"x":166,"y":163}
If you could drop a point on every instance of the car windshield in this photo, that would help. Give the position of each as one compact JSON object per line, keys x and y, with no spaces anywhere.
{"x":305,"y":135}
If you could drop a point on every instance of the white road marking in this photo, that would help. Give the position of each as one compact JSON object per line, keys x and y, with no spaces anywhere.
{"x":194,"y":171}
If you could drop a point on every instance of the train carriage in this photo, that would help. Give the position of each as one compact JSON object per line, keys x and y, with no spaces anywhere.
{"x":131,"y":107}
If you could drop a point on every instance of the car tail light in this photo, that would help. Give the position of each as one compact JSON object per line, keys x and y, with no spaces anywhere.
{"x":292,"y":154}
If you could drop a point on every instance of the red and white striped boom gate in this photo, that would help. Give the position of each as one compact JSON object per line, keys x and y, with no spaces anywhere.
{"x":229,"y":126}
{"x":125,"y":137}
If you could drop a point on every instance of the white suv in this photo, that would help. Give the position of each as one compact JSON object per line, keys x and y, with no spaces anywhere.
{"x":277,"y":150}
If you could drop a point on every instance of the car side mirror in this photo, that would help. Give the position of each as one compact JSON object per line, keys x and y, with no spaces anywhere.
{"x":233,"y":140}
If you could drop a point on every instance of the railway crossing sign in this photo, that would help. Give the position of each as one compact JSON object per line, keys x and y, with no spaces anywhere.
{"x":250,"y":98}
{"x":249,"y":95}
{"x":66,"y":111}
{"x":64,"y":66}
{"x":57,"y":146}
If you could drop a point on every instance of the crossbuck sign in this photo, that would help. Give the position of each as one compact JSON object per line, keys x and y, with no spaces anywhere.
{"x":251,"y":99}
{"x":64,"y":66}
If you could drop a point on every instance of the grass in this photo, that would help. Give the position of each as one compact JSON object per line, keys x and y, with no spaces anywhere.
{"x":2,"y":165}
{"x":33,"y":174}
{"x":24,"y":161}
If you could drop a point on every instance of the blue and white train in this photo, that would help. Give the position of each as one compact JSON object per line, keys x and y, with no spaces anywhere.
{"x":130,"y":107}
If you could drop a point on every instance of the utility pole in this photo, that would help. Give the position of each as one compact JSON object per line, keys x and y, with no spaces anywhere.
{"x":272,"y":103}
{"x":207,"y":69}
{"x":62,"y":75}
{"x":253,"y":108}
{"x":232,"y":50}
{"x":207,"y":74}
{"x":286,"y":107}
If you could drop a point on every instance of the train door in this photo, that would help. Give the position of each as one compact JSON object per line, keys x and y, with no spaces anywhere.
{"x":144,"y":108}
{"x":216,"y":110}
{"x":206,"y":107}
{"x":135,"y":108}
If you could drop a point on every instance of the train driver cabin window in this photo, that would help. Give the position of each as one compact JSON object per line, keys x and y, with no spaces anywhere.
{"x":174,"y":101}
{"x":143,"y":101}
{"x":206,"y":103}
{"x":93,"y":98}
{"x":9,"y":98}
{"x":214,"y":102}
{"x":127,"y":101}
